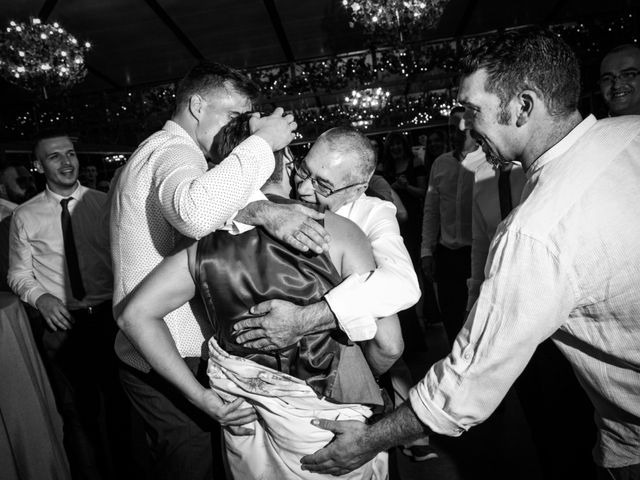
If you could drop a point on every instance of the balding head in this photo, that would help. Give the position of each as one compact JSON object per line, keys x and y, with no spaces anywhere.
{"x":619,"y":81}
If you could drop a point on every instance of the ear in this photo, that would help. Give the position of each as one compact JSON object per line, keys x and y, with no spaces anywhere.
{"x":196,"y":106}
{"x":38,"y":165}
{"x":527,"y":100}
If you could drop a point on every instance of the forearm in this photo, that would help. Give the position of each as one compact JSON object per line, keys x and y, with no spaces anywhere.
{"x":253,"y":213}
{"x":386,"y":347}
{"x":400,"y":427}
{"x":315,"y":318}
{"x":197,"y":202}
{"x":154,"y":342}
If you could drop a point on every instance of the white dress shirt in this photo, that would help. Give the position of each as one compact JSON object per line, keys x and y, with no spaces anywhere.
{"x":37,"y":262}
{"x":165,"y":192}
{"x":486,"y":217}
{"x":447,"y":204}
{"x":564,"y":264}
{"x":360,"y":299}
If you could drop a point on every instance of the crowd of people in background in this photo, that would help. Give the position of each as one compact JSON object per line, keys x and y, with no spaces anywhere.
{"x":218,"y":282}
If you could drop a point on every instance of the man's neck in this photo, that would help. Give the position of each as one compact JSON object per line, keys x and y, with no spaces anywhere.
{"x":63,"y":191}
{"x":186,"y":122}
{"x":547,"y":135}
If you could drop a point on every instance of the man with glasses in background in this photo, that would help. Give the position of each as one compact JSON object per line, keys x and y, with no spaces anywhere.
{"x":619,"y":82}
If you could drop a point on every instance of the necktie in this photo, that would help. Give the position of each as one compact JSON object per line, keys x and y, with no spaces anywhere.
{"x":75,"y":278}
{"x":504,"y":192}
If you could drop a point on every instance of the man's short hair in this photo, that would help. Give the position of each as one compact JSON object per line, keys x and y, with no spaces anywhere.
{"x":208,"y":76}
{"x":534,"y":59}
{"x":233,"y":134}
{"x":350,"y":141}
{"x":622,"y":48}
{"x":46,"y":135}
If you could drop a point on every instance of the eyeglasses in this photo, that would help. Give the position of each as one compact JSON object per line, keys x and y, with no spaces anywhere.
{"x":323,"y":190}
{"x":608,"y":79}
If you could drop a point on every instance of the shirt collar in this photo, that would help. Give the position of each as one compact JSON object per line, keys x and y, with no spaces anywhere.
{"x":175,"y":129}
{"x":54,"y":197}
{"x":563,"y":145}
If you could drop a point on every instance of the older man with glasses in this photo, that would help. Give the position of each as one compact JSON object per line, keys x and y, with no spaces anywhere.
{"x":619,"y":82}
{"x":335,"y":174}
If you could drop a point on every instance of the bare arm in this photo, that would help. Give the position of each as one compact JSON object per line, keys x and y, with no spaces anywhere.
{"x":356,"y":255}
{"x":169,"y":286}
{"x":386,"y":347}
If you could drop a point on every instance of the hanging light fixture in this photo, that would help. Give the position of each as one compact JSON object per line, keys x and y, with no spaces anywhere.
{"x":366,"y":104}
{"x":386,"y":15}
{"x":37,"y":56}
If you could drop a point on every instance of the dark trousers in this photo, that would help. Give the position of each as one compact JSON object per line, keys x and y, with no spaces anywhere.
{"x":82,"y":368}
{"x":550,"y":396}
{"x":184,"y":441}
{"x":453,"y":268}
{"x":632,"y":472}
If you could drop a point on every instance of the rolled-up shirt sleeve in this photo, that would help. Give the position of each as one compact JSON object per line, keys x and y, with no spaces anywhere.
{"x":196,"y":201}
{"x":393,"y":286}
{"x":527,"y":295}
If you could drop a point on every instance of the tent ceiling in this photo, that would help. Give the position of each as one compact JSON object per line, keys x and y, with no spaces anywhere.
{"x":148,"y":41}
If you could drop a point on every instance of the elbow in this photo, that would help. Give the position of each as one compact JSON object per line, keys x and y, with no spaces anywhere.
{"x":395,"y":350}
{"x":126,"y":315}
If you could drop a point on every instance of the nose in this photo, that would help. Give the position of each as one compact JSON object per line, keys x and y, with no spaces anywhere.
{"x":66,"y":159}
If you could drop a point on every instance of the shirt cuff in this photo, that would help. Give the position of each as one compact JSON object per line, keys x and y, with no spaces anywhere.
{"x":357,"y":326}
{"x":32,"y":296}
{"x":234,"y":227}
{"x":430,"y":414}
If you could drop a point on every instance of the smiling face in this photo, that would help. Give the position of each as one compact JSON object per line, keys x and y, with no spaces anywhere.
{"x":621,"y":96}
{"x":216,"y":110}
{"x":56,"y":159}
{"x":491,"y":125}
{"x":331,"y":169}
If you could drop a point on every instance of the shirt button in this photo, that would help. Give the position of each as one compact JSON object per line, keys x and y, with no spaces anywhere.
{"x":468,"y":355}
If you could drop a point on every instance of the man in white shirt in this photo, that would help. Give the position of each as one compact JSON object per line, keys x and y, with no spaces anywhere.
{"x":563,"y":265}
{"x":60,"y":264}
{"x":446,"y":224}
{"x":164,"y":193}
{"x":619,"y":81}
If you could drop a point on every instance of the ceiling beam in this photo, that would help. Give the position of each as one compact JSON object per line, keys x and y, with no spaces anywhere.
{"x":280,"y":32}
{"x":465,"y":18}
{"x":168,"y":21}
{"x":46,"y":10}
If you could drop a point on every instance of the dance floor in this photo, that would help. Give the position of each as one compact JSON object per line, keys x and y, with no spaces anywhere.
{"x":499,"y":449}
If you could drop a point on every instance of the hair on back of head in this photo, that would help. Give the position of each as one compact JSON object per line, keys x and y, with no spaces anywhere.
{"x":233,"y":134}
{"x":208,"y":76}
{"x":529,"y":59}
{"x":351,"y":141}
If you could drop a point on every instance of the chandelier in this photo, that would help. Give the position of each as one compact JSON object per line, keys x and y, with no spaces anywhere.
{"x":365,"y":105}
{"x":368,"y":99}
{"x":384,"y":15}
{"x":37,"y":55}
